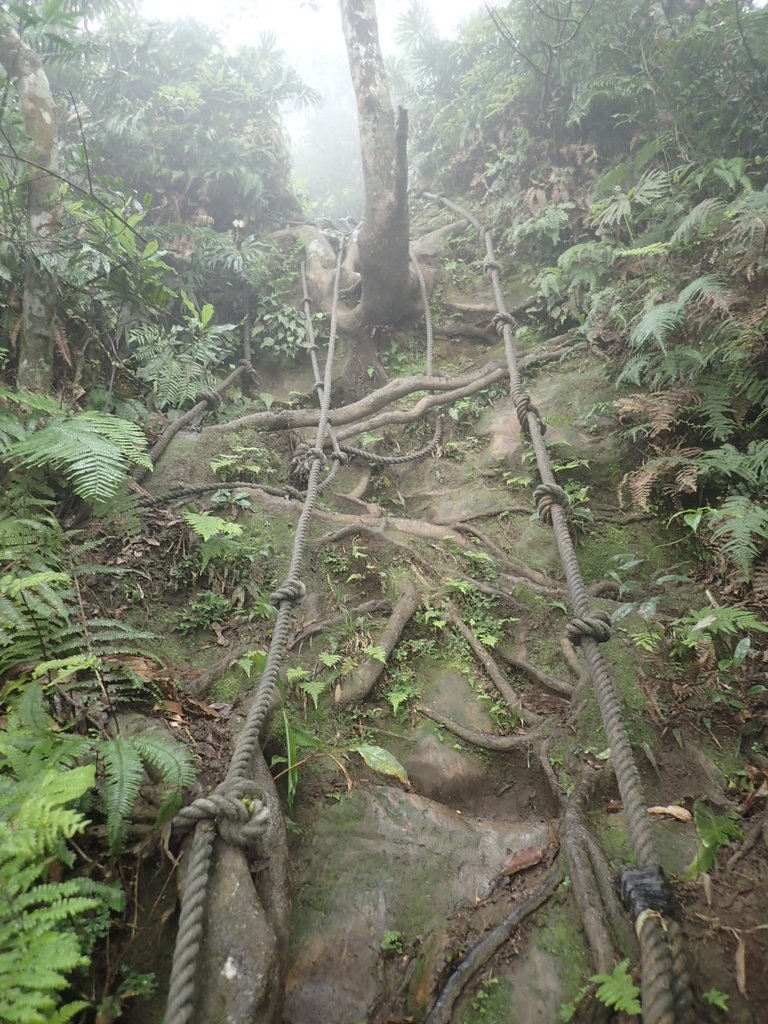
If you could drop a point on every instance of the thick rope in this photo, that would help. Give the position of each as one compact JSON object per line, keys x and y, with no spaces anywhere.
{"x":666,"y":993}
{"x":234,"y":805}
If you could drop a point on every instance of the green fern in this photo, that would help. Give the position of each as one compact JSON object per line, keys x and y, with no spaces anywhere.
{"x":93,"y":451}
{"x":123,"y":761}
{"x":42,"y":934}
{"x":739,"y":529}
{"x":123,"y":775}
{"x":617,"y":990}
{"x":657,"y":323}
{"x":701,"y":220}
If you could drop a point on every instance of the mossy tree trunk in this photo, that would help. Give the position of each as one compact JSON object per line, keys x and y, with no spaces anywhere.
{"x":25,"y":71}
{"x":383,"y":239}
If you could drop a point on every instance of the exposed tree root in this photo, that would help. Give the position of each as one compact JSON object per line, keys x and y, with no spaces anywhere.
{"x":402,"y":417}
{"x":359,"y":683}
{"x":360,"y":489}
{"x":514,"y":566}
{"x":508,"y":510}
{"x":191,"y":416}
{"x":601,"y":914}
{"x":758,"y":830}
{"x":572,"y":660}
{"x":464,"y":330}
{"x":200,"y":685}
{"x":490,"y":590}
{"x":293,"y":419}
{"x":484,"y":740}
{"x":603,"y":588}
{"x":536,"y":675}
{"x":313,"y":628}
{"x":479,"y":956}
{"x":355,"y":529}
{"x":509,"y":694}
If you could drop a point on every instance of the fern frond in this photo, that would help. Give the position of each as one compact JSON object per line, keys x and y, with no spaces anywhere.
{"x":93,"y":452}
{"x":704,"y":288}
{"x":704,"y":217}
{"x":123,"y":774}
{"x":174,"y":762}
{"x":717,"y":409}
{"x":740,"y":528}
{"x":657,"y":323}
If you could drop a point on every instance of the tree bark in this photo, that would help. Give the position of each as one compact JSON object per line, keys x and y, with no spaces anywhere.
{"x":25,"y":71}
{"x":384,"y":235}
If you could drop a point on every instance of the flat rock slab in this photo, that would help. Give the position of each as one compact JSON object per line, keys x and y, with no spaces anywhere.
{"x":382,"y":860}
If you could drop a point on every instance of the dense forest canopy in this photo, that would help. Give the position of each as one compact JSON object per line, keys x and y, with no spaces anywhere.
{"x":618,"y":150}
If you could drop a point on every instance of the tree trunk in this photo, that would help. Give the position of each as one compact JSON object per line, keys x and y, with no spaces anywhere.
{"x":384,"y":235}
{"x":25,"y":71}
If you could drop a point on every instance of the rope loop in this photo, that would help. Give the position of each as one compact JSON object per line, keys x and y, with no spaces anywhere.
{"x":547,"y":495}
{"x":502,"y":320}
{"x":236,"y":807}
{"x":490,"y":265}
{"x":645,"y":890}
{"x":213,"y":398}
{"x":595,"y":626}
{"x":291,"y":590}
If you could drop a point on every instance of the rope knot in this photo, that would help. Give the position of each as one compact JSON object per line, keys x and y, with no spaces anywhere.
{"x":213,"y":398}
{"x":501,"y":320}
{"x":644,"y":890}
{"x":314,"y":347}
{"x":239,"y":815}
{"x":317,"y":386}
{"x":247,"y":826}
{"x":291,"y":589}
{"x":490,"y":265}
{"x":524,"y":405}
{"x":341,"y":457}
{"x":301,"y":463}
{"x":546,"y":496}
{"x":595,"y":626}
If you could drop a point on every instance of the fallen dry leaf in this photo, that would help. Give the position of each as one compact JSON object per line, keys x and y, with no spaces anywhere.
{"x":521,"y":860}
{"x":671,"y":811}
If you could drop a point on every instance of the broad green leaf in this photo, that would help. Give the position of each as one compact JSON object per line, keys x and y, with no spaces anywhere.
{"x":381,"y":761}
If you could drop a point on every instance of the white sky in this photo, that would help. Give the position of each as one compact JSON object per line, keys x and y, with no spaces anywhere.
{"x":295,"y":24}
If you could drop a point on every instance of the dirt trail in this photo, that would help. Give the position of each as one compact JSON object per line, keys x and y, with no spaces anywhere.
{"x":394,"y":882}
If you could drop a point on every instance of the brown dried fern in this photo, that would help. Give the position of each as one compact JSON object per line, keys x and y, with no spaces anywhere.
{"x":659,"y":408}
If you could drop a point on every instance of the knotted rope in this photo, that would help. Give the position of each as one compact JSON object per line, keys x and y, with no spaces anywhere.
{"x":666,"y":992}
{"x":234,"y":809}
